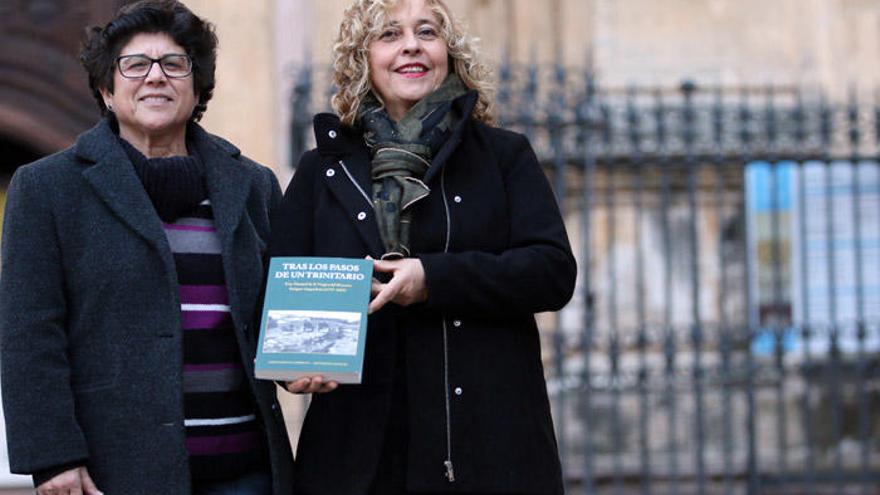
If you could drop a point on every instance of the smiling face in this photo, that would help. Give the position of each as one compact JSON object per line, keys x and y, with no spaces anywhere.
{"x":408,"y":59}
{"x":155,"y":105}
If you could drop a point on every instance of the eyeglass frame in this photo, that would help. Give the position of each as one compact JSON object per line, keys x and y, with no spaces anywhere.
{"x":156,"y":61}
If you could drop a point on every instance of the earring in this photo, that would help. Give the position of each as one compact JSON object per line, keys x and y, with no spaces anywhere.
{"x":110,"y":107}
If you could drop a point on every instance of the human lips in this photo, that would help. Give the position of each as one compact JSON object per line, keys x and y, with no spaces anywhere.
{"x":412,"y":71}
{"x":155,"y":98}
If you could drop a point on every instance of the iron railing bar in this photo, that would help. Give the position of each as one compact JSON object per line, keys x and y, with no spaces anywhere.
{"x":745,"y":117}
{"x":778,"y":322}
{"x":644,"y":411}
{"x":827,"y":123}
{"x":613,"y":335}
{"x":613,"y":330}
{"x":806,"y":331}
{"x":559,"y":188}
{"x":528,"y":104}
{"x":669,"y":332}
{"x":696,"y":317}
{"x":724,"y":323}
{"x":855,"y":184}
{"x":588,"y":109}
{"x":300,"y":118}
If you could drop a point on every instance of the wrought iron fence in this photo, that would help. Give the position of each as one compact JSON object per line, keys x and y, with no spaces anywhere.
{"x":725,"y":336}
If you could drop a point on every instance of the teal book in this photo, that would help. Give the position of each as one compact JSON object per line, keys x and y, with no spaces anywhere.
{"x":314,"y":319}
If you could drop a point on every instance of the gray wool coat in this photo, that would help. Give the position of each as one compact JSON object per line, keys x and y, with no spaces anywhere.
{"x":90,"y":314}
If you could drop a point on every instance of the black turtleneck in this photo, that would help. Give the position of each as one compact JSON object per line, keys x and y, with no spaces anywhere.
{"x":175,"y":184}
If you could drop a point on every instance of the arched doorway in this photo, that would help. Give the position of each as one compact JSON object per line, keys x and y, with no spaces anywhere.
{"x":44,"y":97}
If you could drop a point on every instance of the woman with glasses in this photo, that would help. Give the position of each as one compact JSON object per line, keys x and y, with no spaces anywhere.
{"x":131,"y":267}
{"x":412,"y":170}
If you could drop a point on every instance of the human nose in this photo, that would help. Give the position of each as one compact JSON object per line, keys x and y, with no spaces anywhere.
{"x":411,"y":43}
{"x":155,"y":74}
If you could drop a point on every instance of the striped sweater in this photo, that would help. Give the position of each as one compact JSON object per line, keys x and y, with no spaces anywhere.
{"x":223,"y":438}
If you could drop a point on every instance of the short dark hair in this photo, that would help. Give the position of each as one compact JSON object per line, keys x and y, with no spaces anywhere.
{"x":170,"y":17}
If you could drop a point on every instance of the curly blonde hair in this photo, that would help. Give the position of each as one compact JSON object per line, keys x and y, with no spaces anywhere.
{"x":362,"y":23}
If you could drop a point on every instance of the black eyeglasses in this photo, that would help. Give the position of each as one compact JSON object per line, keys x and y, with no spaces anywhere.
{"x":137,"y":66}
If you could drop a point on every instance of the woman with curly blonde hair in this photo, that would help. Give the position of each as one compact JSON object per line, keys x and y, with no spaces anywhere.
{"x":351,"y":52}
{"x":469,"y":244}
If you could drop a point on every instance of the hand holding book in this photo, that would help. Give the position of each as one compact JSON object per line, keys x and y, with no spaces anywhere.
{"x":311,"y":385}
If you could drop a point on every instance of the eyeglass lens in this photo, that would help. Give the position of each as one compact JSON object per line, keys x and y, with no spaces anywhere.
{"x":139,"y":65}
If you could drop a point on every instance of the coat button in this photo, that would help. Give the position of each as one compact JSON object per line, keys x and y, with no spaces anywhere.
{"x":457,"y":199}
{"x":330,"y":172}
{"x":362,"y":215}
{"x":456,"y":323}
{"x":332,"y":134}
{"x":458,"y":391}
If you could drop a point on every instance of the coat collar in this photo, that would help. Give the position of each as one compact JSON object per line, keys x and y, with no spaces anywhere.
{"x":337,"y":140}
{"x":343,"y":146}
{"x":114,"y":180}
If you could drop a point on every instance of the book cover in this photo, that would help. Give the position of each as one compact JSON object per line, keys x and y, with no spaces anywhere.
{"x":314,"y":319}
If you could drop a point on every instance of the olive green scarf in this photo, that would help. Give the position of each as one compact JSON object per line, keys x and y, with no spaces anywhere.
{"x":402,"y":153}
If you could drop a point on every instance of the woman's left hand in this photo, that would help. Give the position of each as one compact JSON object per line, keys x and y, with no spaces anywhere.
{"x":311,"y":385}
{"x":407,"y":284}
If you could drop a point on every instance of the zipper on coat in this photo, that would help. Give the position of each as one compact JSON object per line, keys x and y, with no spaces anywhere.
{"x":358,"y":186}
{"x":447,"y":464}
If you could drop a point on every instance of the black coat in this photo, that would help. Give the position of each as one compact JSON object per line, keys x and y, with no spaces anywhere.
{"x":92,"y":353}
{"x":495,"y":251}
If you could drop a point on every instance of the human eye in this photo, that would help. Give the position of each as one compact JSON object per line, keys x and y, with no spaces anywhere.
{"x":135,"y":63}
{"x":176,"y":65}
{"x":173,"y":62}
{"x":389,"y":34}
{"x":427,"y":31}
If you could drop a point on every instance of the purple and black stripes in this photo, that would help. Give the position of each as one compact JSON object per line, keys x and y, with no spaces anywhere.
{"x":223,"y":438}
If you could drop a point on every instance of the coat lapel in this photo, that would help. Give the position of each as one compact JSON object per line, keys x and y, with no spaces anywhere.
{"x":229,"y":185}
{"x":349,"y":180}
{"x":114,"y":180}
{"x":346,"y":170}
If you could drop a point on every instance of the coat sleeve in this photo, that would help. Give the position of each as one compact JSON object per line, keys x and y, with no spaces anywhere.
{"x":41,"y":427}
{"x":292,"y":221}
{"x":535,"y":273}
{"x":275,"y":195}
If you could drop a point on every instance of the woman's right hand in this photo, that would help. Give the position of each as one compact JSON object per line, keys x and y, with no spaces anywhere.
{"x":74,"y":481}
{"x":310,"y":385}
